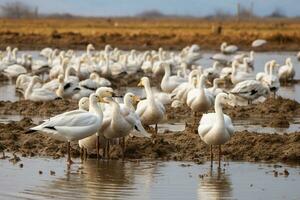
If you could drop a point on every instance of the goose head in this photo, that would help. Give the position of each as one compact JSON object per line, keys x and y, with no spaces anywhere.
{"x":95,"y":98}
{"x":288,"y":61}
{"x":144,"y":82}
{"x":90,"y":47}
{"x":94,"y":76}
{"x":8,"y":49}
{"x":105,"y":92}
{"x":131,"y":98}
{"x":61,"y":78}
{"x":222,"y":98}
{"x":223,"y":46}
{"x":83,"y":103}
{"x":107,"y":48}
{"x":36,"y":79}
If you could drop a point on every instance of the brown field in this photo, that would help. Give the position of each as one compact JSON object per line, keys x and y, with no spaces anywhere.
{"x":147,"y":34}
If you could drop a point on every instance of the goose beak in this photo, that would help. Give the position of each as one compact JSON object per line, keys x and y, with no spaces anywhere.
{"x":140,"y":84}
{"x":101,"y":100}
{"x":136,"y":99}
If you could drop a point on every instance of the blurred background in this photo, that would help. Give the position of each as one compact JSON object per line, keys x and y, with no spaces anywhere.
{"x":155,"y":8}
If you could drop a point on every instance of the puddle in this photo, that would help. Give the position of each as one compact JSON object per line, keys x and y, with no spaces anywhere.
{"x":249,"y":124}
{"x":258,"y":125}
{"x":145,"y":180}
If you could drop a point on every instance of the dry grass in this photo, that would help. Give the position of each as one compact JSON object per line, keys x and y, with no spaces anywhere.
{"x":145,"y":34}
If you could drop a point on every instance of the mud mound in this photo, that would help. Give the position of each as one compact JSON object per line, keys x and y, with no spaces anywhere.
{"x":25,"y":107}
{"x":186,"y":145}
{"x":280,"y":111}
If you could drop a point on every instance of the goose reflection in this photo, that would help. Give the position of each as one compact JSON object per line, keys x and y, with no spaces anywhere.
{"x":216,"y":185}
{"x":101,"y":180}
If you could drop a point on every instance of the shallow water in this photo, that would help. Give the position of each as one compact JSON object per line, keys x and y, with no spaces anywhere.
{"x":145,"y":180}
{"x":249,"y":124}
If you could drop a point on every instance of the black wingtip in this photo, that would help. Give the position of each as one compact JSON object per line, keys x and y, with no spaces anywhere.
{"x":30,"y":131}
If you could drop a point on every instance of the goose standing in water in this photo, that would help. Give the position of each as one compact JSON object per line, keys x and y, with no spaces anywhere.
{"x":151,"y":111}
{"x":74,"y":125}
{"x":216,"y":128}
{"x":286,"y":72}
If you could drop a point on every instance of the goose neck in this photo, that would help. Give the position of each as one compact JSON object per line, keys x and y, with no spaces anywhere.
{"x":29,"y":89}
{"x":128,"y":104}
{"x":95,"y":108}
{"x":219,"y":111}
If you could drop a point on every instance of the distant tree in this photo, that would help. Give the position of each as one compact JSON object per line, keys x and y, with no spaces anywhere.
{"x":17,"y":10}
{"x":151,"y":14}
{"x":277,"y":13}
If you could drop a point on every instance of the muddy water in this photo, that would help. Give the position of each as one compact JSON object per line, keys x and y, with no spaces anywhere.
{"x":145,"y":180}
{"x":250,"y":124}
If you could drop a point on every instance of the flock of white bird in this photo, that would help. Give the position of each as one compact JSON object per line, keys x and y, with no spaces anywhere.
{"x":100,"y":118}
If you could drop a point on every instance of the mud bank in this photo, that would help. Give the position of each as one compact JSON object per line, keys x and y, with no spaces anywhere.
{"x":182,"y":146}
{"x":279,"y":110}
{"x":25,"y":107}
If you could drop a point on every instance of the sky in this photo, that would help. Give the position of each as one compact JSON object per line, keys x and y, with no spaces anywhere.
{"x":178,"y":7}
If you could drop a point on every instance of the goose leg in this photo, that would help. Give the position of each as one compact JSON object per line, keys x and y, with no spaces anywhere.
{"x":220,"y":154}
{"x":69,"y":153}
{"x":97,"y":147}
{"x":123,"y":147}
{"x":211,"y":156}
{"x":156,"y":129}
{"x":108,"y":143}
{"x":81,"y":154}
{"x":85,"y":153}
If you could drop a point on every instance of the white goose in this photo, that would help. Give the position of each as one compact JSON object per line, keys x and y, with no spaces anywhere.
{"x":23,"y":81}
{"x":93,"y":142}
{"x":38,"y":94}
{"x":127,"y":109}
{"x":228,"y":49}
{"x":286,"y":72}
{"x":239,"y":76}
{"x":94,"y":82}
{"x":151,"y":111}
{"x":168,"y":82}
{"x":216,"y":128}
{"x":116,"y":125}
{"x":265,"y":74}
{"x":200,"y":99}
{"x":14,"y":71}
{"x":74,"y":125}
{"x":258,"y":43}
{"x":250,"y":90}
{"x":213,"y":72}
{"x":272,"y":80}
{"x":215,"y":90}
{"x":181,"y":91}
